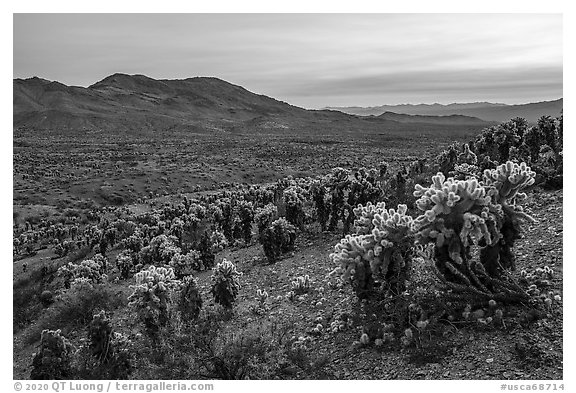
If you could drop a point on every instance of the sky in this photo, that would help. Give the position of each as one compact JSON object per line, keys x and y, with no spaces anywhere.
{"x":309,"y":60}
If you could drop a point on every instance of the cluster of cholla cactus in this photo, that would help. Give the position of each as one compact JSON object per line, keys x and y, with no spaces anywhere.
{"x":184,"y":265}
{"x":151,"y":297}
{"x":459,"y":214}
{"x":190,"y":300}
{"x":89,"y":271}
{"x":53,"y":359}
{"x":379,"y":252}
{"x":225,"y":283}
{"x":160,"y":250}
{"x":277,"y":239}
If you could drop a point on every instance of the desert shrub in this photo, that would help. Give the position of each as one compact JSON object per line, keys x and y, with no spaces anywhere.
{"x":225,"y":283}
{"x":54,"y":357}
{"x":74,"y":308}
{"x":107,"y":355}
{"x":46,"y":298}
{"x":278,"y":238}
{"x":208,"y":349}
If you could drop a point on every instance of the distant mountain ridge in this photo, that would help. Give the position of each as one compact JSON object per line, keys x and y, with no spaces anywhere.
{"x":137,"y":103}
{"x":491,"y":112}
{"x":129,"y":101}
{"x":445,"y":119}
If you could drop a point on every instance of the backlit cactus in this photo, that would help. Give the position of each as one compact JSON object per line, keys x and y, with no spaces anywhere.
{"x":225,"y":283}
{"x":53,"y":359}
{"x":184,"y":265}
{"x":380,"y":253}
{"x":459,"y":214}
{"x":277,"y":239}
{"x":151,"y":296}
{"x":190,"y":300}
{"x":301,"y":285}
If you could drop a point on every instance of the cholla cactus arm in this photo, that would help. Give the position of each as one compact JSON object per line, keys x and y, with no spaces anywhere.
{"x":507,"y":180}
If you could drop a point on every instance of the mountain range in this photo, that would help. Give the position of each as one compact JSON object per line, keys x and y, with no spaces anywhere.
{"x":137,"y":103}
{"x":487,"y":111}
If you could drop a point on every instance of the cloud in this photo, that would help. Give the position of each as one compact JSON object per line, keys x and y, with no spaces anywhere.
{"x":306,"y":59}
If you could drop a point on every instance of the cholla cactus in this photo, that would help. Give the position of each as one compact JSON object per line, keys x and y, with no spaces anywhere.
{"x":364,"y":216}
{"x":246,"y":215}
{"x":382,"y":254}
{"x":294,"y":199}
{"x":190,"y":302}
{"x":151,"y":296}
{"x":53,"y":360}
{"x":278,"y":238}
{"x":264,"y":217}
{"x":225,"y":283}
{"x":183,"y":265}
{"x":459,"y":214}
{"x":100,"y":335}
{"x":261,"y":296}
{"x":467,"y":156}
{"x":301,"y":285}
{"x":507,"y":180}
{"x":125,"y":263}
{"x":88,"y":271}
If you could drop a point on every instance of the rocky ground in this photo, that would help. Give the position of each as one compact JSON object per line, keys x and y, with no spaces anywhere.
{"x":524,"y":348}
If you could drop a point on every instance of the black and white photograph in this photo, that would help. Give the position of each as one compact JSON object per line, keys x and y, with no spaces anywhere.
{"x":287,"y":196}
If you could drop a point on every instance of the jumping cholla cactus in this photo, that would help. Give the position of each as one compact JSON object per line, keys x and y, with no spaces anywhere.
{"x":190,"y":302}
{"x":466,"y":165}
{"x":301,"y":285}
{"x":125,"y":263}
{"x":225,"y":283}
{"x":53,"y":360}
{"x":294,"y":200}
{"x":459,"y":214}
{"x":380,"y":251}
{"x":278,"y":238}
{"x":100,"y":335}
{"x":183,"y":265}
{"x":151,"y":296}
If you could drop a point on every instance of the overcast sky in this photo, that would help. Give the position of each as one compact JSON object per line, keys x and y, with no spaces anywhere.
{"x":309,"y":60}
